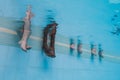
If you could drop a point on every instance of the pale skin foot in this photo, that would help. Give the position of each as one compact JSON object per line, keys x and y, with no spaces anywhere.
{"x":23,"y":45}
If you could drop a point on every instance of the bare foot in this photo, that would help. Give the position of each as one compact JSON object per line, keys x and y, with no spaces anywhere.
{"x":23,"y":45}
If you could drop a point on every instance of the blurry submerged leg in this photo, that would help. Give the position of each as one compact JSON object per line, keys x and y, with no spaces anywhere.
{"x":72,"y":48}
{"x":20,"y":33}
{"x":24,"y":40}
{"x":50,"y":31}
{"x":48,"y":48}
{"x":26,"y":29}
{"x":79,"y":48}
{"x":52,"y":42}
{"x":93,"y":51}
{"x":45,"y":32}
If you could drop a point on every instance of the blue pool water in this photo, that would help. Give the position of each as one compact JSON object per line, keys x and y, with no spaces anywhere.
{"x":17,"y":65}
{"x":91,"y":20}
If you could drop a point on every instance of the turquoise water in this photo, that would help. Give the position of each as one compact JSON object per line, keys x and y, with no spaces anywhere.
{"x":17,"y":65}
{"x":91,"y":20}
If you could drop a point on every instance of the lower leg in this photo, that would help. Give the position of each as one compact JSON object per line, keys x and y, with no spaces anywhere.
{"x":24,"y":40}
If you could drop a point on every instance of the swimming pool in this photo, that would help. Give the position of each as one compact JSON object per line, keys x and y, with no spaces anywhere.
{"x":35,"y":65}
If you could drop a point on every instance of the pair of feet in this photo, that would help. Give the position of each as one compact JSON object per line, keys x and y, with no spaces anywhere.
{"x":24,"y":46}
